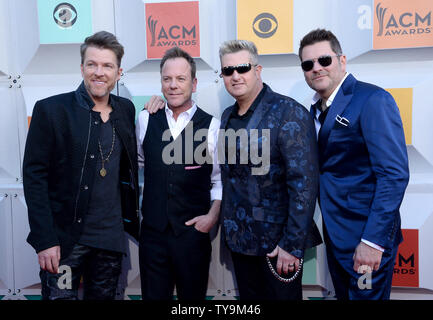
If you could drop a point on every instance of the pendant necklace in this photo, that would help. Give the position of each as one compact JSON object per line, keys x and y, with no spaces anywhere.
{"x":103,"y":171}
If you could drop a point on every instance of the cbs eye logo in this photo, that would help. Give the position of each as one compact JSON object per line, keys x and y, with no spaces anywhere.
{"x":265,"y":25}
{"x":65,"y":15}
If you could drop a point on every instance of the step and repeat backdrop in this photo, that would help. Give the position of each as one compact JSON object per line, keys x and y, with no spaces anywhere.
{"x":387,"y":42}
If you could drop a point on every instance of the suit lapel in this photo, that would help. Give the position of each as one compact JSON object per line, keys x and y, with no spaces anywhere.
{"x":257,"y":116}
{"x":341,"y":101}
{"x":116,"y":117}
{"x":225,"y":117}
{"x":260,"y":111}
{"x":313,"y":111}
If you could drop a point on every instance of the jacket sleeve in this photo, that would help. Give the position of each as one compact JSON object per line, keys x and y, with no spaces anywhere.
{"x":298,"y":148}
{"x":383,"y":133}
{"x":36,"y":166}
{"x":131,"y":122}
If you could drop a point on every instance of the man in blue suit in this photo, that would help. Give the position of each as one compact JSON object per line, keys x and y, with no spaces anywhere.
{"x":268,"y":205}
{"x":363,"y":170}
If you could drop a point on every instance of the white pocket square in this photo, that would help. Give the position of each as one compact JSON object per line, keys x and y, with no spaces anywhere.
{"x":342,"y":120}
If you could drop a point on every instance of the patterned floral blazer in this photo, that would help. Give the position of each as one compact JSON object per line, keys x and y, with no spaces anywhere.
{"x":276,"y":206}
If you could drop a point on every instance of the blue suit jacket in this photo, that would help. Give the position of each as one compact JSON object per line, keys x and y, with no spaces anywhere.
{"x":280,"y":204}
{"x":363,"y":169}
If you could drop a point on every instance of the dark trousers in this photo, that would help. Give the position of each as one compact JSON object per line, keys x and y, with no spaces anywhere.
{"x":256,"y":281}
{"x":167,"y":260}
{"x":349,"y":286}
{"x":99,"y":268}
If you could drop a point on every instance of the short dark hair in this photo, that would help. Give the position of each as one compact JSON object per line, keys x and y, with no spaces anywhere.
{"x":103,"y":40}
{"x":320,"y":35}
{"x":177,"y":52}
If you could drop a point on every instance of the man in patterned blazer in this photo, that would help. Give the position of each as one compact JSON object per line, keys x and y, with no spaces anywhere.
{"x":267,"y":207}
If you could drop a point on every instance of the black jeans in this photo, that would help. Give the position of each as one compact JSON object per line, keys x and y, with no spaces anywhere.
{"x":99,"y":268}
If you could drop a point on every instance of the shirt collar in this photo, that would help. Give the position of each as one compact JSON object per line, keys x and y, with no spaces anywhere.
{"x":331,"y":98}
{"x":188,"y":112}
{"x":86,"y":101}
{"x":253,"y":105}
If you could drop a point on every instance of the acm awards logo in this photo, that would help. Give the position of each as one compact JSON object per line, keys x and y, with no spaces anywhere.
{"x":265,"y":25}
{"x":65,"y":15}
{"x":405,"y":265}
{"x":407,"y":23}
{"x":174,"y":35}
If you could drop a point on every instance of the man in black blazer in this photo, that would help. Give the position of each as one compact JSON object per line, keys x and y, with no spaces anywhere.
{"x":268,"y":203}
{"x":80,"y":178}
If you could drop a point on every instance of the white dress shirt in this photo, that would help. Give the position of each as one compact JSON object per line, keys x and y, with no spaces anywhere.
{"x":331,"y":98}
{"x":176,"y":128}
{"x":317,"y":124}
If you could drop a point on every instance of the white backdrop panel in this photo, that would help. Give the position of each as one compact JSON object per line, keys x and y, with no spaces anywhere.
{"x":6,"y":254}
{"x":422,"y":128}
{"x":9,"y":137}
{"x":26,"y":267}
{"x":5,"y":49}
{"x":25,"y":42}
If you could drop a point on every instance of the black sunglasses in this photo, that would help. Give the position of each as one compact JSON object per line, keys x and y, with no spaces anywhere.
{"x":240,"y":68}
{"x":324,"y":61}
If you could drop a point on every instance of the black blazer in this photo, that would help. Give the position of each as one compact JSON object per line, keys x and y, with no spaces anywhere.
{"x":283,"y":199}
{"x":60,"y":163}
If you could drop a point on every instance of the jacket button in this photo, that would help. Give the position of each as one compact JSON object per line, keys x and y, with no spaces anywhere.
{"x":86,"y":187}
{"x":96,"y":122}
{"x":92,"y":156}
{"x":79,"y":220}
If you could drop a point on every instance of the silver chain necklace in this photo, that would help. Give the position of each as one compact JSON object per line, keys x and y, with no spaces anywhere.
{"x":280,"y":278}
